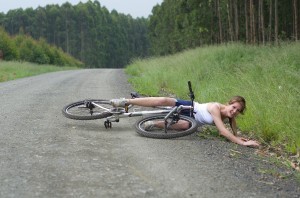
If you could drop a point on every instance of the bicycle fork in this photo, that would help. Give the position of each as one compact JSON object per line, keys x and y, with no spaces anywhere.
{"x":175,"y":112}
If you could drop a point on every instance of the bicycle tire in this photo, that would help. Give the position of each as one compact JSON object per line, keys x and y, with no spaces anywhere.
{"x":80,"y":111}
{"x":160,"y":132}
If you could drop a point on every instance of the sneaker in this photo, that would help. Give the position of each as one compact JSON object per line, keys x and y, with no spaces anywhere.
{"x":118,"y":102}
{"x":149,"y":125}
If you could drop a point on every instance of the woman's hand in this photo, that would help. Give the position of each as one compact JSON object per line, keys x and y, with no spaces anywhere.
{"x":251,"y":143}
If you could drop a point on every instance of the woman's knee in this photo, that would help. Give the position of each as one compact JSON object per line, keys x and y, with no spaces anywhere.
{"x":184,"y":125}
{"x":166,"y":101}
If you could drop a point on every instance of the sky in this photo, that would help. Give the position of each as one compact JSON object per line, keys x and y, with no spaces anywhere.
{"x":136,"y":8}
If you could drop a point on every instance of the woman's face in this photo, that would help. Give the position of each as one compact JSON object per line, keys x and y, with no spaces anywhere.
{"x":233,"y":109}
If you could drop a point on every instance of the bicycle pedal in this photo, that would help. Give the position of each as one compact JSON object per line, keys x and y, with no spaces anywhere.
{"x":135,"y":95}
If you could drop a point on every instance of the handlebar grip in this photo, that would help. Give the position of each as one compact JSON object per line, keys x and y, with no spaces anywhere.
{"x":191,"y":91}
{"x":190,"y":86}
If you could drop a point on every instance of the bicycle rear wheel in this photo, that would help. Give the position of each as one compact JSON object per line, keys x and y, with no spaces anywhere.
{"x":160,"y":132}
{"x":87,"y":110}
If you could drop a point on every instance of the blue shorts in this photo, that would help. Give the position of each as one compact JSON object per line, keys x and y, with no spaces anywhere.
{"x":185,"y":112}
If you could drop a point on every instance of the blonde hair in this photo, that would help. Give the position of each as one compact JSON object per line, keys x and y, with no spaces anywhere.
{"x":240,"y":100}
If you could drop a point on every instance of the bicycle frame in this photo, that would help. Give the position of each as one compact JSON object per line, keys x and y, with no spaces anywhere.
{"x":122,"y":113}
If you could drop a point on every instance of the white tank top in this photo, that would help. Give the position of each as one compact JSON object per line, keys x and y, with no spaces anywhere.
{"x":202,"y":115}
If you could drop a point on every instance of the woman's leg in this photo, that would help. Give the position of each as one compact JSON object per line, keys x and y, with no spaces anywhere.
{"x":180,"y":125}
{"x":152,"y":101}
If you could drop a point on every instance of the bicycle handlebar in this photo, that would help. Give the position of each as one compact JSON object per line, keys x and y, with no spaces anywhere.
{"x":192,"y":96}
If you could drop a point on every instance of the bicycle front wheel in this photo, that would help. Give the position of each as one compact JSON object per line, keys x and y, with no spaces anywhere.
{"x":87,"y":110}
{"x":185,"y":126}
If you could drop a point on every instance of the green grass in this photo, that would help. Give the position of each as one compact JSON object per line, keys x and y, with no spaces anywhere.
{"x":268,"y":77}
{"x":15,"y":70}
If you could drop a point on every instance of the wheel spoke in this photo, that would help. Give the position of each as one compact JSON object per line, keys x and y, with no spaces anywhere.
{"x":87,"y":110}
{"x":183,"y":127}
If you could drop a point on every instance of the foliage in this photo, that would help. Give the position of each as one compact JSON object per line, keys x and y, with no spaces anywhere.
{"x":268,"y":77}
{"x":25,"y":48}
{"x":7,"y":47}
{"x":86,"y":31}
{"x":99,"y":38}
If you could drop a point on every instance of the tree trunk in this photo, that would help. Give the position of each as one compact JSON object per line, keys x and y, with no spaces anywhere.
{"x":212,"y":40}
{"x":270,"y":20}
{"x":246,"y":21}
{"x":276,"y":21}
{"x":252,"y":16}
{"x":236,"y":20}
{"x":220,"y":21}
{"x":262,"y":21}
{"x":229,"y":13}
{"x":81,"y":42}
{"x":259,"y":30}
{"x":67,"y":37}
{"x":251,"y":21}
{"x":212,"y":25}
{"x":295,"y":20}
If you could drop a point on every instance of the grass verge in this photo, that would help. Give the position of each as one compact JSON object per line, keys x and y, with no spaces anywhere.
{"x":268,"y":77}
{"x":14,"y":70}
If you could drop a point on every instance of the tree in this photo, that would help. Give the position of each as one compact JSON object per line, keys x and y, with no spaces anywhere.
{"x":270,"y":19}
{"x":236,"y":19}
{"x":219,"y":21}
{"x":295,"y":19}
{"x":276,"y":21}
{"x":7,"y":46}
{"x":261,"y":22}
{"x":246,"y":21}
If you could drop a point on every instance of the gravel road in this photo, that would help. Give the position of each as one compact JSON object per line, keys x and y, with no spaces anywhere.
{"x":44,"y":154}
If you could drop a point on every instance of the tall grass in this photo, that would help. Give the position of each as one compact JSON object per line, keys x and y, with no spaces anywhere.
{"x":10,"y":70}
{"x":268,"y":77}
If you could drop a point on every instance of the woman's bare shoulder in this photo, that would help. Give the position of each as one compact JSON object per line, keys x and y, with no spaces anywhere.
{"x":213,"y":107}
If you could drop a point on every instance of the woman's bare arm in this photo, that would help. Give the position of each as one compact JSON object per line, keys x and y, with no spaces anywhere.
{"x":216,"y":114}
{"x":233,"y":126}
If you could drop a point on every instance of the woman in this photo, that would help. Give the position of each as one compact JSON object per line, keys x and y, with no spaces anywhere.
{"x":205,"y":114}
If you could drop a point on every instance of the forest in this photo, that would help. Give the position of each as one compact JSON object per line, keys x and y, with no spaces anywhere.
{"x":176,"y":25}
{"x":99,"y":38}
{"x":86,"y":31}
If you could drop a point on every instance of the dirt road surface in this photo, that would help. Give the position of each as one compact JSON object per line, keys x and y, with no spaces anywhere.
{"x":44,"y":154}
